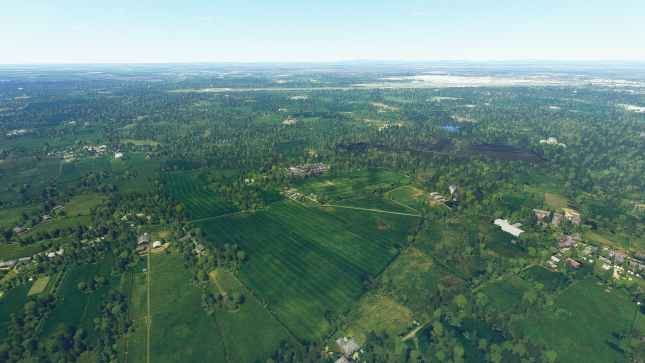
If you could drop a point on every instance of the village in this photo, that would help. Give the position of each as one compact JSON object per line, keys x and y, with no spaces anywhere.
{"x":573,"y":252}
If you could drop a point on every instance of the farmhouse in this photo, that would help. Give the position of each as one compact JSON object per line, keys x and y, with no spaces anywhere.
{"x":118,"y":155}
{"x":573,"y":263}
{"x":308,"y":169}
{"x":557,"y":219}
{"x":347,"y":346}
{"x":289,"y":121}
{"x":572,"y":215}
{"x":552,"y":141}
{"x":509,"y":228}
{"x":18,"y":229}
{"x":7,"y":265}
{"x":157,"y":244}
{"x":144,"y":238}
{"x":541,"y":215}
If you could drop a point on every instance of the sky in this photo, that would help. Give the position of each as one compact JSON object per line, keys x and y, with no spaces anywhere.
{"x":160,"y":31}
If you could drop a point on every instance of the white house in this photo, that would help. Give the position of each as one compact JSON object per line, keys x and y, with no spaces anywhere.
{"x":509,"y":228}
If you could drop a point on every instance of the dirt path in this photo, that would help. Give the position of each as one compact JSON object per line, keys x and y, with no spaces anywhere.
{"x":371,"y":210}
{"x":414,"y":331}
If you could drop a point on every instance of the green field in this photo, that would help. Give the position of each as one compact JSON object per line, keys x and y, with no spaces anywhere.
{"x":251,"y":334}
{"x":74,"y":307}
{"x":353,"y":185}
{"x":82,"y":205}
{"x":180,"y":331}
{"x":506,"y":294}
{"x":305,"y":262}
{"x":409,"y":196}
{"x":191,"y":190}
{"x":589,"y":315}
{"x":11,"y":302}
{"x":11,"y":251}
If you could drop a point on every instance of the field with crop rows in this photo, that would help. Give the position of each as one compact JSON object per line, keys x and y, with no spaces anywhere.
{"x":191,"y":191}
{"x":307,"y":263}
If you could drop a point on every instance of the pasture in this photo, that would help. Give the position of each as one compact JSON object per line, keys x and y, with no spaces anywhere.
{"x":582,"y":328}
{"x":190,"y":189}
{"x":307,"y":263}
{"x":77,"y":308}
{"x":11,"y":302}
{"x":251,"y":334}
{"x":180,"y":330}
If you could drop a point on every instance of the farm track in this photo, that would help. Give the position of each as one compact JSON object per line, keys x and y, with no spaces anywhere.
{"x":371,"y":210}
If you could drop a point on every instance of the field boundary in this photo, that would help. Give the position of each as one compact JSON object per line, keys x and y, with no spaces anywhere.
{"x":371,"y":210}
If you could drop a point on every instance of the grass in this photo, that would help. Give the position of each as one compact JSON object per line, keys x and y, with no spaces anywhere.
{"x":410,"y":196}
{"x":353,"y":185}
{"x":551,"y":280}
{"x":82,"y":205}
{"x":60,"y":223}
{"x":251,"y":333}
{"x":38,"y":286}
{"x":190,"y":189}
{"x":582,"y":330}
{"x":555,"y":201}
{"x":140,"y":142}
{"x":306,"y":263}
{"x":10,"y":217}
{"x":414,"y":279}
{"x":506,"y":294}
{"x":181,"y":330}
{"x":12,"y":251}
{"x":11,"y":302}
{"x":76,"y":308}
{"x":377,"y":313}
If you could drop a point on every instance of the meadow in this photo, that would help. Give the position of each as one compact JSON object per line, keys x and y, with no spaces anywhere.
{"x":77,"y":308}
{"x":582,"y":329}
{"x":409,"y":196}
{"x":353,"y":184}
{"x":191,"y":191}
{"x":306,"y":263}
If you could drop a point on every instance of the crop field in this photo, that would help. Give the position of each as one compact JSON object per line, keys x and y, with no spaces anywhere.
{"x":191,"y":191}
{"x":180,"y":330}
{"x":11,"y":302}
{"x":352,"y":185}
{"x":377,"y":312}
{"x":251,"y":334}
{"x":582,"y":329}
{"x":305,"y":262}
{"x":11,"y":251}
{"x":76,"y":308}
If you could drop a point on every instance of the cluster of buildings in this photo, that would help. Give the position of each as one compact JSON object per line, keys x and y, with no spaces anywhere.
{"x":307,"y":169}
{"x":290,"y":121}
{"x":552,"y":141}
{"x":608,"y":259}
{"x":294,"y":194}
{"x":10,"y":264}
{"x":18,"y":132}
{"x":96,"y":150}
{"x":556,"y":218}
{"x":144,"y":245}
{"x":349,"y":349}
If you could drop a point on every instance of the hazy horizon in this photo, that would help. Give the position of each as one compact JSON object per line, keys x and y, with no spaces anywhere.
{"x":153,"y":32}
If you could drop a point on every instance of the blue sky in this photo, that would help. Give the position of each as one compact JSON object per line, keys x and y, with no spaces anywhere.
{"x":89,"y":31}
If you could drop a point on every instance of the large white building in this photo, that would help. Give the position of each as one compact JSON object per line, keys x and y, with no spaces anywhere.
{"x":509,"y":228}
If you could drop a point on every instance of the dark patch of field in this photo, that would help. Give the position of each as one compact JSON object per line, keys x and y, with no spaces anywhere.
{"x":506,"y":294}
{"x":191,"y":190}
{"x":503,"y":152}
{"x":306,"y":263}
{"x":551,"y":280}
{"x":11,"y":302}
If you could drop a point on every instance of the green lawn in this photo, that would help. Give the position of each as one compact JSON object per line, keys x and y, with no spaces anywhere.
{"x":305,"y":262}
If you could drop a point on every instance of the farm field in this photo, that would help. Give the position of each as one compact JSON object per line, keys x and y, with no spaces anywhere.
{"x":187,"y":188}
{"x":11,"y":302}
{"x":83,"y":204}
{"x":11,"y":251}
{"x":582,"y":330}
{"x":352,"y":185}
{"x":304,"y":262}
{"x":506,"y":294}
{"x":180,"y":330}
{"x":77,"y":308}
{"x":251,"y":334}
{"x":38,"y":286}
